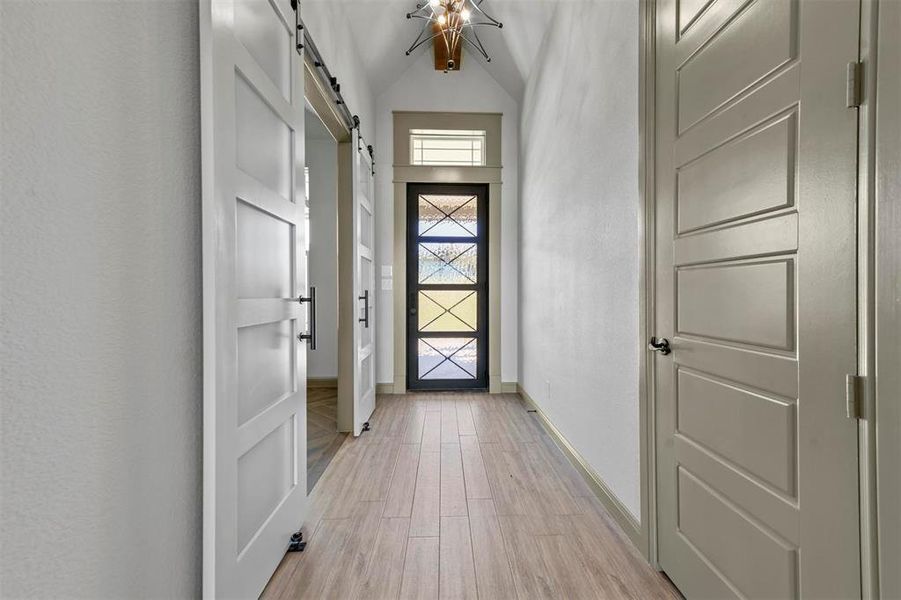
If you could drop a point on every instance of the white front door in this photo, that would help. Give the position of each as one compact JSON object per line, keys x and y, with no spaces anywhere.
{"x":364,"y":286}
{"x":252,"y":116}
{"x":756,"y":264}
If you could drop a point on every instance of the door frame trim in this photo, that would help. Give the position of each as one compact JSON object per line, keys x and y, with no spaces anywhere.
{"x":879,"y":153}
{"x":319,"y":101}
{"x":647,"y":427}
{"x":323,"y":106}
{"x":888,"y":273}
{"x":405,"y":173}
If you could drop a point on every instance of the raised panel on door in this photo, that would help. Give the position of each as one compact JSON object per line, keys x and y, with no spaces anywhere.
{"x":755,"y":259}
{"x":757,"y":167}
{"x":265,"y":478}
{"x":747,"y":430}
{"x":747,"y":302}
{"x":253,"y":230}
{"x":752,"y":560}
{"x":263,"y":139}
{"x":266,"y":373}
{"x":263,"y":269}
{"x":262,"y":31}
{"x":758,"y":39}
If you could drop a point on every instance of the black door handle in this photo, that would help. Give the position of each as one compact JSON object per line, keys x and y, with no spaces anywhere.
{"x":311,"y":335}
{"x":660,"y":345}
{"x":365,"y":299}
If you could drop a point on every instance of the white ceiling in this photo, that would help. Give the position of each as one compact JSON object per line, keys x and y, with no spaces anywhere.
{"x":383,"y":34}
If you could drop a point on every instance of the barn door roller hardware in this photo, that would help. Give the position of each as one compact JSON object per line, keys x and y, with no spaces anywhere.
{"x":306,"y":44}
{"x":297,"y":544}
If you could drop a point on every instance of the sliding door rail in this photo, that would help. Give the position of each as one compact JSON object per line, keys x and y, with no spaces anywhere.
{"x":351,"y":121}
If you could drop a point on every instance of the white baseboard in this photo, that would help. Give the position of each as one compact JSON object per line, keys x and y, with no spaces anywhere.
{"x":509,"y":387}
{"x":384,"y":388}
{"x":617,"y":510}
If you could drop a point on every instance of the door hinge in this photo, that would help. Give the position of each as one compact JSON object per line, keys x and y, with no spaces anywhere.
{"x":855,"y":391}
{"x":854,"y":88}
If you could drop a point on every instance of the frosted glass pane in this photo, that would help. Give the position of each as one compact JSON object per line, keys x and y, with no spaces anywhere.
{"x":451,"y":263}
{"x":264,"y":264}
{"x":267,"y":39}
{"x":447,"y":310}
{"x":447,"y":147}
{"x":265,"y":477}
{"x":447,"y":358}
{"x":448,"y":215}
{"x":265,"y":367}
{"x":263,"y":140}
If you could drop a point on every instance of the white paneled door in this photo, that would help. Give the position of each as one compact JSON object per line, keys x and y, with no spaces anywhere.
{"x":757,"y":472}
{"x":364,"y":284}
{"x":253,"y":272}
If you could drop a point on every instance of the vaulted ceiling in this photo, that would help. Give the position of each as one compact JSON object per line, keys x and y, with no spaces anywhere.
{"x":383,"y":34}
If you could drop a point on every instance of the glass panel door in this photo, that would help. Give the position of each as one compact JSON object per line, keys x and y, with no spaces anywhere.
{"x":447,"y":275}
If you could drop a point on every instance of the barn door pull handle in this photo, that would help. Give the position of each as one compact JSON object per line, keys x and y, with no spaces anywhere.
{"x":365,"y":299}
{"x":660,"y":345}
{"x":311,"y":335}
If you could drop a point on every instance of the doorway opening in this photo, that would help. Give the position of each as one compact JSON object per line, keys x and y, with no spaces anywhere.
{"x":321,"y":174}
{"x":447,"y":286}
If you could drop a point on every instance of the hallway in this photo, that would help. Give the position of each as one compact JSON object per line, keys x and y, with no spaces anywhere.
{"x":559,"y":299}
{"x":459,"y":495}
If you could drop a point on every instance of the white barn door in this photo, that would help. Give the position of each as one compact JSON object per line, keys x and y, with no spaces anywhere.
{"x":364,"y":285}
{"x":253,"y":273}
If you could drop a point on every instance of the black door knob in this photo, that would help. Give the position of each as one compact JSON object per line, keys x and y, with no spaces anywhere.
{"x":660,"y":345}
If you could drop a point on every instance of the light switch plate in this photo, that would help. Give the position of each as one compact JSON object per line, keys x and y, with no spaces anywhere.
{"x":387,"y":270}
{"x":387,"y":284}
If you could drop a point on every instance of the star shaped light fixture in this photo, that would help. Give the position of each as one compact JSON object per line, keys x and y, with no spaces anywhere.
{"x":452,"y":23}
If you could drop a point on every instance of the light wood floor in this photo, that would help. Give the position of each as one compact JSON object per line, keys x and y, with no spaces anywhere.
{"x":323,"y":439}
{"x":459,"y":496}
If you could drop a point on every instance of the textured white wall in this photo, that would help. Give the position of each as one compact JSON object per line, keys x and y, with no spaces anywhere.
{"x":100,"y":357}
{"x":472,"y":89}
{"x":322,"y":159}
{"x":579,"y":236}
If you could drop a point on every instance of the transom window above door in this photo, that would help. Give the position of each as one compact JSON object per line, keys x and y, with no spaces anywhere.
{"x":447,"y":147}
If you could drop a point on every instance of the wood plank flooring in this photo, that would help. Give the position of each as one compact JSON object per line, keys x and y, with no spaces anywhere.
{"x":459,"y":495}
{"x":323,"y":439}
